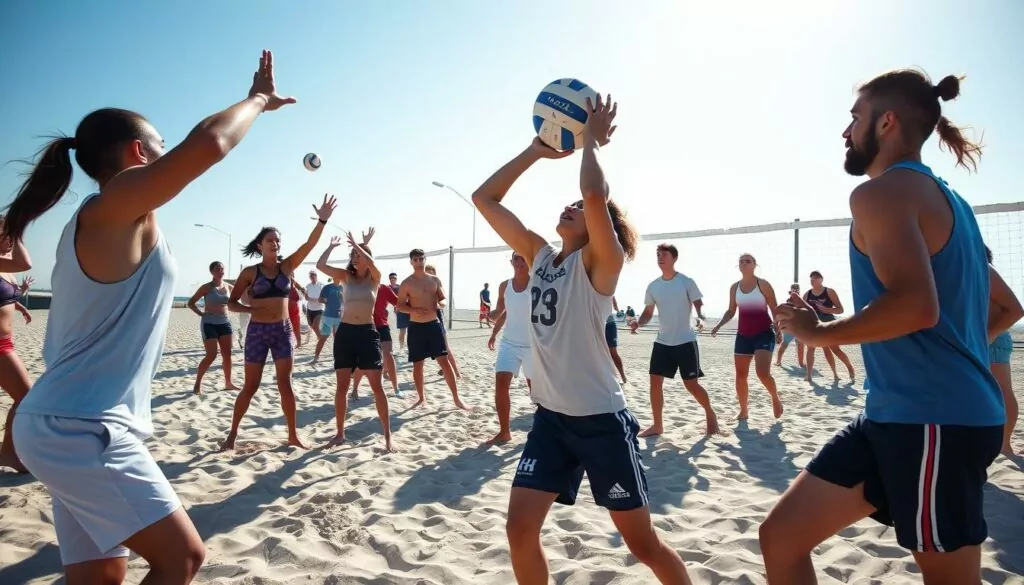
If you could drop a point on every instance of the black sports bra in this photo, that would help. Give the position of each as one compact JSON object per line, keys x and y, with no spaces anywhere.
{"x":265,"y":288}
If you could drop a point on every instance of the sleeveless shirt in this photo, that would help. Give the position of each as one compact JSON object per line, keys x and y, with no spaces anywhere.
{"x":752,"y":307}
{"x":824,"y":299}
{"x":572,"y":371}
{"x":104,"y":341}
{"x":938,"y":375}
{"x":517,"y":315}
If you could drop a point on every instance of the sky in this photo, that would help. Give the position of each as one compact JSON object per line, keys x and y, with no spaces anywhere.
{"x":730,"y":114}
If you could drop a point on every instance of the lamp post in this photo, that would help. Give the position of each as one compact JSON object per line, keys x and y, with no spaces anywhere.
{"x":203,"y":225}
{"x":468,"y":202}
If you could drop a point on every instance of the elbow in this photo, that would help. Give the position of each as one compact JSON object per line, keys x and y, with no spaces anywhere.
{"x":480,"y":199}
{"x":925,"y":315}
{"x":593,"y":190}
{"x":210,"y":145}
{"x":25,"y":266}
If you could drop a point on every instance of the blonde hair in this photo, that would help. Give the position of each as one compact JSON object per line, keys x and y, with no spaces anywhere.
{"x":429,"y":269}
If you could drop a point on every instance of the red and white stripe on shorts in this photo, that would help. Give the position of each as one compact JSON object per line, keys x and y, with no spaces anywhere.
{"x":927,"y":530}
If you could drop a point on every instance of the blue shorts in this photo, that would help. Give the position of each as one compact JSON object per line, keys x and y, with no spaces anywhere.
{"x":749,"y":344}
{"x":1000,"y":349}
{"x":611,"y":334}
{"x":329,"y":325}
{"x":560,"y":448}
{"x":787,"y":338}
{"x":401,"y":320}
{"x":104,"y":484}
{"x":927,"y":481}
{"x":215,"y":330}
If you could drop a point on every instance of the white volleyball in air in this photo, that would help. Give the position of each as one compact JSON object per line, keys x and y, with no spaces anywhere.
{"x":311,"y":161}
{"x":560,"y":113}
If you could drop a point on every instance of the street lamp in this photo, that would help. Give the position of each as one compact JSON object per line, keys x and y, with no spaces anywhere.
{"x":203,"y":225}
{"x":468,"y":202}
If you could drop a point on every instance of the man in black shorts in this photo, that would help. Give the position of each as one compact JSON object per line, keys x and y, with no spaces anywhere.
{"x":419,"y":297}
{"x":676,"y":345}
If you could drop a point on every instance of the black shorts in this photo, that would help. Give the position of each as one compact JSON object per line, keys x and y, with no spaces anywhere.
{"x":560,"y":448}
{"x":384,"y":331}
{"x":666,"y":359}
{"x":312,"y":316}
{"x":212,"y":331}
{"x":357,"y":346}
{"x":927,"y":481}
{"x":426,"y":340}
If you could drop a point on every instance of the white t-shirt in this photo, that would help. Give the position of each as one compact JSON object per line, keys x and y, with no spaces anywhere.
{"x":674,"y":299}
{"x":313,"y":291}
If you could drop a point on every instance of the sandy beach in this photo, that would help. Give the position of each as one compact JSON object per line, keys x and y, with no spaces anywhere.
{"x":434,"y":513}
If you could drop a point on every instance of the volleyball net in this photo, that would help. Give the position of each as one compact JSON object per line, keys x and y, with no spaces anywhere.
{"x":786,"y":253}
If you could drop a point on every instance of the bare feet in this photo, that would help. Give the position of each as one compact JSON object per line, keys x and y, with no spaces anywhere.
{"x":337,"y":440}
{"x":653,"y":431}
{"x":743,"y":415}
{"x":229,"y":443}
{"x":230,"y":386}
{"x":419,"y":403}
{"x":197,"y":390}
{"x":389,"y":447}
{"x":294,"y":441}
{"x":712,"y":424}
{"x":501,"y":437}
{"x":459,"y":404}
{"x":777,"y":407}
{"x":1007,"y":450}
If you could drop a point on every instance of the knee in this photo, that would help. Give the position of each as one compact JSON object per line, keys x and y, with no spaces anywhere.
{"x":194,"y":555}
{"x":521,"y":533}
{"x":644,"y":547}
{"x":210,"y":355}
{"x":765,"y":377}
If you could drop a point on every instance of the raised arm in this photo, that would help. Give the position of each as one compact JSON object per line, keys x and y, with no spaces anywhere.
{"x":487,"y":199}
{"x":338,"y":274}
{"x":19,"y":260}
{"x":323,"y":213}
{"x":192,"y":302}
{"x":1004,"y":307}
{"x":140,"y":190}
{"x":374,"y":271}
{"x":606,"y":256}
{"x":242,"y":284}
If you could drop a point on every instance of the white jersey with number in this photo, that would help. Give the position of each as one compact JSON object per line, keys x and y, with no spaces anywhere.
{"x":572,"y":371}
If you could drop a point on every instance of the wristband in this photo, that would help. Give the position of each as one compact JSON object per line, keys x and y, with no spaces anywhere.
{"x":323,"y":221}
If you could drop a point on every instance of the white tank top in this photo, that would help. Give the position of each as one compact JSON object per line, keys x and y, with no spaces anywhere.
{"x":104,"y":341}
{"x":572,"y":371}
{"x":517,"y":315}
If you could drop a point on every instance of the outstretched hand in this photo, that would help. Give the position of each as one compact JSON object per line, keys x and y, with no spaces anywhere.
{"x":26,"y":284}
{"x":263,"y":84}
{"x":541,"y":150}
{"x":351,"y":240}
{"x":599,"y":121}
{"x":368,"y":235}
{"x":335,"y":241}
{"x":326,"y":208}
{"x":797,"y":317}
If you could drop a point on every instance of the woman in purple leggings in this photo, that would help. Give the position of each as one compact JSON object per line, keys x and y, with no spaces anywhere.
{"x":270,"y":331}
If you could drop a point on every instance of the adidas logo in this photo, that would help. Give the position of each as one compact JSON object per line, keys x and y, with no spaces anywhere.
{"x":617,"y":493}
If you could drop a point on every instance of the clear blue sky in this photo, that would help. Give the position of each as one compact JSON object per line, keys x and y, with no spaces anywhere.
{"x":728,"y":116}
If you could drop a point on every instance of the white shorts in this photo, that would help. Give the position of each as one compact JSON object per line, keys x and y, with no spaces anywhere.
{"x":243,"y":322}
{"x":103,"y":482}
{"x":511,"y":357}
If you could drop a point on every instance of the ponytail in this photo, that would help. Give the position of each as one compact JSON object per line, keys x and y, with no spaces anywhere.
{"x":952,"y":138}
{"x":46,"y":184}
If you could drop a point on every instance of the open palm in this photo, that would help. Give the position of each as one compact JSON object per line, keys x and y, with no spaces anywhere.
{"x":263,"y":83}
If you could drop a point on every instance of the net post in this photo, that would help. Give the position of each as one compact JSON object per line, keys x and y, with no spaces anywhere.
{"x":796,"y":250}
{"x":451,"y":285}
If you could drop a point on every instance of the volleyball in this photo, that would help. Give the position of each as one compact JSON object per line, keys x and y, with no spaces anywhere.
{"x":560,"y":113}
{"x":311,"y":161}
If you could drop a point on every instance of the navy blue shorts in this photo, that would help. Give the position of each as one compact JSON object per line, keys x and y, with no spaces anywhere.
{"x":749,"y":344}
{"x":927,"y":481}
{"x":611,"y":334}
{"x":215,"y":330}
{"x":401,"y":320}
{"x":560,"y":448}
{"x":426,"y":340}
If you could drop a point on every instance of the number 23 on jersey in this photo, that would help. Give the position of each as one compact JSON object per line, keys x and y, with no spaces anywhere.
{"x":547,"y":301}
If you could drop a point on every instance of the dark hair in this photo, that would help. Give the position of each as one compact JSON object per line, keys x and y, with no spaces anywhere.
{"x":214,"y":264}
{"x":628,"y":237}
{"x":390,"y":274}
{"x":912,"y":96}
{"x":988,"y":254}
{"x":671,"y":249}
{"x":97,"y":141}
{"x":416,"y":253}
{"x":816,"y":274}
{"x":351,"y":268}
{"x":252,"y":249}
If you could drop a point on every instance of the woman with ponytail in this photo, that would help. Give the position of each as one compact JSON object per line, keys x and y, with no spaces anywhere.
{"x":13,"y":377}
{"x":81,"y":429}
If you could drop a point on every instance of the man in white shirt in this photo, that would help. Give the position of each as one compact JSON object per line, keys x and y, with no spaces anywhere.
{"x":676,"y":345}
{"x":314,"y":308}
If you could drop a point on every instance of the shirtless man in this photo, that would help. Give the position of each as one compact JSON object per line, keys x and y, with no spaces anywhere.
{"x":418,"y":296}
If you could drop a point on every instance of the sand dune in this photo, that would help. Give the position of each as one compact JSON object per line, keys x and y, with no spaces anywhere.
{"x":434,"y":513}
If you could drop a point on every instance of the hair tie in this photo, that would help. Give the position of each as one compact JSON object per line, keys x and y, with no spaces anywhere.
{"x":71,"y":142}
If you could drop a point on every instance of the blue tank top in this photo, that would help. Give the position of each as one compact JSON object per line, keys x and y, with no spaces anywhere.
{"x":938,"y":375}
{"x":104,"y":341}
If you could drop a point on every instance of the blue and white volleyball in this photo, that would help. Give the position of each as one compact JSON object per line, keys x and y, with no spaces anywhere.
{"x":311,"y":161}
{"x":560,"y":113}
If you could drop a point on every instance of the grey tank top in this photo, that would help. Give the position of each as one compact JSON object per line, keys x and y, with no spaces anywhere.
{"x":358,"y":296}
{"x":572,"y":371}
{"x":214,"y":296}
{"x":104,"y":341}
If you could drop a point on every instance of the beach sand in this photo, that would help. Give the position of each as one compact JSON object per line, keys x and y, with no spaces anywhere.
{"x":435,"y":512}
